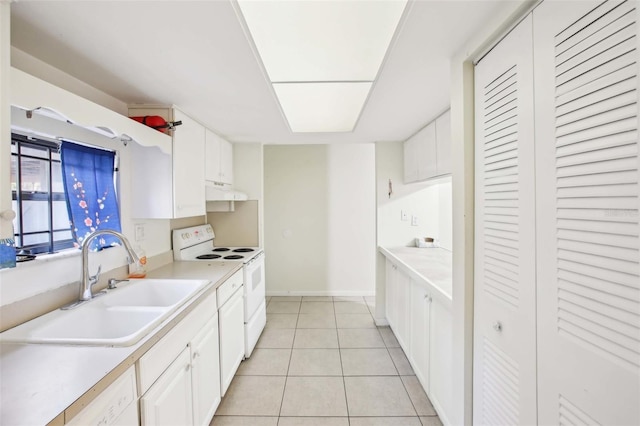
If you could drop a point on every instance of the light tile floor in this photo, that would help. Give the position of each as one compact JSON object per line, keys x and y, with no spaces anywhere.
{"x":321,"y":361}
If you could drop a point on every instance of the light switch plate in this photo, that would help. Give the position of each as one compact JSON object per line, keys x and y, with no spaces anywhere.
{"x":414,"y":220}
{"x":403,"y":215}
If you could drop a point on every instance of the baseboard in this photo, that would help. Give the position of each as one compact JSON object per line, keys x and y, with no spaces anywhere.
{"x":321,"y":293}
{"x":381,"y":322}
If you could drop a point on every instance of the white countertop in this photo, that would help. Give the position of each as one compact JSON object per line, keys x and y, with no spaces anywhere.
{"x":39,"y":382}
{"x":433,"y":265}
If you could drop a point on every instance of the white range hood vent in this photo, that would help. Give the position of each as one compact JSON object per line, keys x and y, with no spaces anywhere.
{"x":215,"y":193}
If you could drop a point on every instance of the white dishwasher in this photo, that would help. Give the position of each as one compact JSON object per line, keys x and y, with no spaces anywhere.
{"x":231,"y":327}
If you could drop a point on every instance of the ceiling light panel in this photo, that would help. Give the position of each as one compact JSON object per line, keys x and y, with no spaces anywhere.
{"x":322,"y":40}
{"x":322,"y":107}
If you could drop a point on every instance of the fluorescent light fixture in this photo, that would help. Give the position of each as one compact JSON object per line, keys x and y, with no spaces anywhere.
{"x":322,"y":107}
{"x":322,"y":56}
{"x":322,"y":40}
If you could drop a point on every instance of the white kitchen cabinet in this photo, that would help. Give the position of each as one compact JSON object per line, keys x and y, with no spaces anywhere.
{"x":420,"y":331}
{"x":398,"y":303}
{"x":440,"y":354}
{"x":205,"y":373}
{"x":218,"y":159}
{"x":167,"y":186}
{"x":169,"y":401}
{"x":443,"y":139}
{"x":188,"y":170}
{"x":420,"y":316}
{"x":411,"y":159}
{"x":427,"y":154}
{"x":192,"y":344}
{"x":231,"y":328}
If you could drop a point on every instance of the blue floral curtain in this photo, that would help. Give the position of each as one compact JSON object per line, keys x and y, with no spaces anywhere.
{"x":91,"y":195}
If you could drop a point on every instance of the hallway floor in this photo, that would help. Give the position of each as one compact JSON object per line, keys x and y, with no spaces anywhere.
{"x":321,"y":361}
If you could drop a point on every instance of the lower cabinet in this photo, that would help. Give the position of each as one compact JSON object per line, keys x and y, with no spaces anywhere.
{"x":420,"y":317}
{"x":179,"y":377}
{"x":169,"y":400}
{"x":205,"y":373}
{"x":419,"y":345}
{"x":231,"y":338}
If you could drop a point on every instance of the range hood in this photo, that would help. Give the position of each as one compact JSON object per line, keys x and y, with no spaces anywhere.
{"x":215,"y":193}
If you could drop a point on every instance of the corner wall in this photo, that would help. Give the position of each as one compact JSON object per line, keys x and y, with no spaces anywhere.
{"x":319,"y":219}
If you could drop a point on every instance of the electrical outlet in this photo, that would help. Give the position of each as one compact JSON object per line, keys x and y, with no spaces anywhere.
{"x":414,"y":220}
{"x":403,"y":215}
{"x":139,"y":232}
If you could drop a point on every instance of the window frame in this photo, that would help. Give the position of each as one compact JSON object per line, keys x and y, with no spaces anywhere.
{"x":19,"y":196}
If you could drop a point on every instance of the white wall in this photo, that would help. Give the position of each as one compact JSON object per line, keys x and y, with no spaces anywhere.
{"x":430,"y":201}
{"x":248,"y":175}
{"x":320,"y":219}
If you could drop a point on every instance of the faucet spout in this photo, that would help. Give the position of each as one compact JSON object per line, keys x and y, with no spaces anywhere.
{"x":87,"y":281}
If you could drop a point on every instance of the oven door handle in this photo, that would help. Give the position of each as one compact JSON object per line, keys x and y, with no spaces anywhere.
{"x":259,"y":256}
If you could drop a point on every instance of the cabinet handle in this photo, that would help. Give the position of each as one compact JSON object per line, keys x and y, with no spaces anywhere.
{"x":196,"y":354}
{"x":188,"y":367}
{"x":497,"y":326}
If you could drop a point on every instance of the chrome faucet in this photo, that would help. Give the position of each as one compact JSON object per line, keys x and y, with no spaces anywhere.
{"x":87,"y":280}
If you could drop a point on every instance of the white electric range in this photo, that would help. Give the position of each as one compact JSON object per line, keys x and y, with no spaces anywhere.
{"x":196,"y":244}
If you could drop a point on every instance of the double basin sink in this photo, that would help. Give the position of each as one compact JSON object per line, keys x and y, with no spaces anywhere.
{"x":120,"y":318}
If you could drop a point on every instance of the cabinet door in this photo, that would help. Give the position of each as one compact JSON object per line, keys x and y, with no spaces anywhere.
{"x":411,"y":160}
{"x":205,"y":373}
{"x":188,"y":167}
{"x":440,"y":356}
{"x":226,"y":162}
{"x":391,"y":294}
{"x":586,"y":80}
{"x":231,"y":317}
{"x":443,"y":139}
{"x":427,"y":152}
{"x":212,"y":156}
{"x":403,"y":308}
{"x":504,"y":385}
{"x":168,"y":401}
{"x":420,"y":331}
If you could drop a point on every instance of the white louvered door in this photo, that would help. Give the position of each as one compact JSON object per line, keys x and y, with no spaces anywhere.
{"x":586,"y":80}
{"x":505,"y":311}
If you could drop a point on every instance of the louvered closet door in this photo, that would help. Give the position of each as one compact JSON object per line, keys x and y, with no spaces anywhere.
{"x":587,"y":212}
{"x":504,"y":313}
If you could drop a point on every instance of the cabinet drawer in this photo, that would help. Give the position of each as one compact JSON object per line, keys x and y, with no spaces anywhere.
{"x":226,"y":290}
{"x":157,"y":359}
{"x":108,"y":407}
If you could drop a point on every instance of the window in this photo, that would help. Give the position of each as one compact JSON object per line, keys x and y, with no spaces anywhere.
{"x":47,"y":186}
{"x":42,"y":222}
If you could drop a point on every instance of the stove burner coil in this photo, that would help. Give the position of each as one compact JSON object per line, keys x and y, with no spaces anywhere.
{"x":243,"y":250}
{"x":234,"y":257}
{"x":221,"y":249}
{"x":208,"y":256}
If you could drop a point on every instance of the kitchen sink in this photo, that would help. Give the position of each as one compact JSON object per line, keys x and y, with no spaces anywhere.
{"x":120,"y":318}
{"x":152,"y":293}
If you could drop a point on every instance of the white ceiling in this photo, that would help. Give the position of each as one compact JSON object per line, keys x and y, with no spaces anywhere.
{"x":196,"y":55}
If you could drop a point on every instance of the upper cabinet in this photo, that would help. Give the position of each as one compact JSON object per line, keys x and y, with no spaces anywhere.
{"x":443,"y":142}
{"x":170,"y":185}
{"x":218,"y":159}
{"x":428,"y":153}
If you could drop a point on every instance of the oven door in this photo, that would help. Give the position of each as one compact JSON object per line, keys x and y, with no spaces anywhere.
{"x":254,"y":285}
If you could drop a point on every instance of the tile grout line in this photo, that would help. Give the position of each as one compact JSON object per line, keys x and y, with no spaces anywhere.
{"x":286,"y":379}
{"x":344,"y":382}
